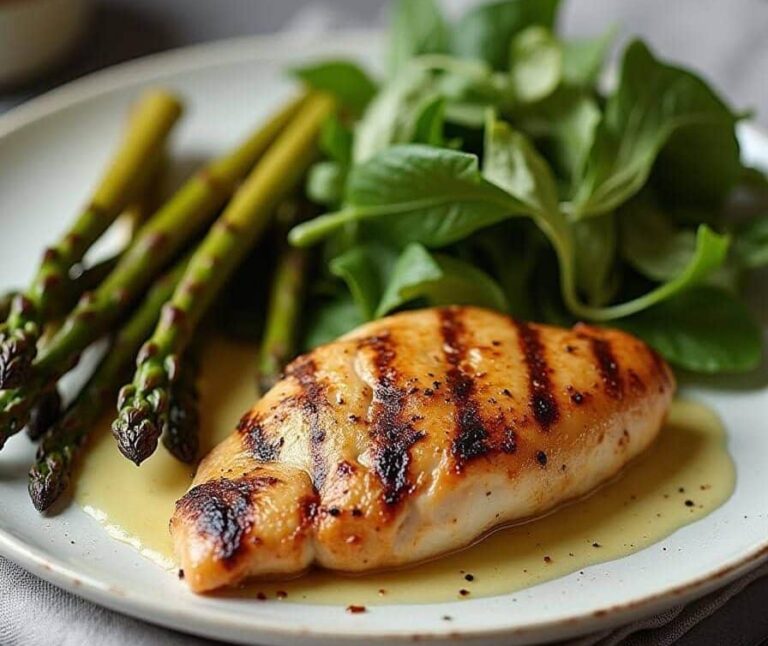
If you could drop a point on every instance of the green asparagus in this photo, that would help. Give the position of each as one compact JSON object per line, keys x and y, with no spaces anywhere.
{"x":48,"y":409}
{"x":60,"y":446}
{"x":130,"y":171}
{"x":159,"y":241}
{"x":181,"y":433}
{"x":278,"y":344}
{"x":44,"y":414}
{"x":144,"y":404}
{"x":5,"y":304}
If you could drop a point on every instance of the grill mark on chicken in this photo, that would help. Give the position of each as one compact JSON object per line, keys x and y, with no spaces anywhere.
{"x":391,"y":434}
{"x":255,"y":440}
{"x":222,"y":512}
{"x":471,"y":440}
{"x":543,"y":402}
{"x":311,"y":400}
{"x":608,"y":366}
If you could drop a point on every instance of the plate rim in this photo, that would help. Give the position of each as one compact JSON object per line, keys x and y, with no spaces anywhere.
{"x":144,"y":70}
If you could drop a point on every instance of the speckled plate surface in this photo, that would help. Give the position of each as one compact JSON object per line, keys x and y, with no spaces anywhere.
{"x":51,"y":151}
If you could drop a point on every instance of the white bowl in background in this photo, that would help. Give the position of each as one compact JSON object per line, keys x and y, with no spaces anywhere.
{"x":36,"y":34}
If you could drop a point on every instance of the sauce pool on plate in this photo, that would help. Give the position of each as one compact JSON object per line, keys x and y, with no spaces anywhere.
{"x":685,"y":475}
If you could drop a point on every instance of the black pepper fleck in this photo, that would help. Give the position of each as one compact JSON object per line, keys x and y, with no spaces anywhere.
{"x":356,"y":610}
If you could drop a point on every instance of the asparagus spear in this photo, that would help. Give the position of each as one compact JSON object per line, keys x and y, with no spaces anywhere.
{"x":144,"y":404}
{"x":130,"y":170}
{"x":60,"y":446}
{"x":181,"y":433}
{"x":5,"y":304}
{"x":168,"y":231}
{"x":48,"y":409}
{"x":278,"y":344}
{"x":44,"y":414}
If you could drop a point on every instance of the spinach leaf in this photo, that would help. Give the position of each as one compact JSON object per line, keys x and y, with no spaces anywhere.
{"x":750,"y":245}
{"x":416,"y":193}
{"x":510,"y":253}
{"x":652,"y":103}
{"x":326,"y":179}
{"x":348,"y":82}
{"x":417,"y":27}
{"x":336,"y":141}
{"x":513,"y":163}
{"x":564,"y":124}
{"x":392,"y":116}
{"x":583,"y":59}
{"x":329,"y":319}
{"x":535,"y":64}
{"x":652,"y":244}
{"x":485,"y":32}
{"x":325,"y":183}
{"x":365,"y":269}
{"x":438,"y":279}
{"x":595,"y":242}
{"x":704,"y":329}
{"x":430,"y":124}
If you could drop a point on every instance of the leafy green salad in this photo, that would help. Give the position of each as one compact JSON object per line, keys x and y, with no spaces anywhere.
{"x":489,"y":167}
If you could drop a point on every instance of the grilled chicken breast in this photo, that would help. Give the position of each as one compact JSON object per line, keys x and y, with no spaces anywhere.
{"x":413,"y":436}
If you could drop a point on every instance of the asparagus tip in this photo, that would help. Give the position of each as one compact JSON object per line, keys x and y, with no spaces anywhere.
{"x":18,"y":349}
{"x":47,"y":481}
{"x":44,"y":414}
{"x":136,"y":432}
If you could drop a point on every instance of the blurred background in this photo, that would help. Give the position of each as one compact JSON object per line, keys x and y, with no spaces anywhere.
{"x":64,"y":39}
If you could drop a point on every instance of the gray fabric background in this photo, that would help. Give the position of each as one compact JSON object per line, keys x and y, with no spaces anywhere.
{"x":726,"y":40}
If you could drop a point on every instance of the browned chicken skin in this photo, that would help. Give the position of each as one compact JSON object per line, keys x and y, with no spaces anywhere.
{"x":413,"y":436}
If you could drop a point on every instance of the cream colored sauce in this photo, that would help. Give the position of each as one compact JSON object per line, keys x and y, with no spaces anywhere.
{"x":686,"y":475}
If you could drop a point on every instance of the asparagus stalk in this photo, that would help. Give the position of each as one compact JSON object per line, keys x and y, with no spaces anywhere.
{"x":160,"y":239}
{"x":5,"y":304}
{"x":181,"y":433}
{"x":44,"y":414}
{"x":278,"y":344}
{"x":145,"y":403}
{"x":130,"y":170}
{"x":48,"y":409}
{"x":61,"y":444}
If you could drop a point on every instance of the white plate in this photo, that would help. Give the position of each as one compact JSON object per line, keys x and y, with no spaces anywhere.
{"x":51,"y":151}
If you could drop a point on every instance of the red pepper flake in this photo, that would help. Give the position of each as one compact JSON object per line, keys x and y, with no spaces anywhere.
{"x":356,"y":610}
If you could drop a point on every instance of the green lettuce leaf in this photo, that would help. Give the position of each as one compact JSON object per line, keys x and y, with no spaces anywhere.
{"x":485,"y":32}
{"x":347,"y":81}
{"x":438,"y":279}
{"x":658,"y":111}
{"x":417,"y":27}
{"x":704,"y":329}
